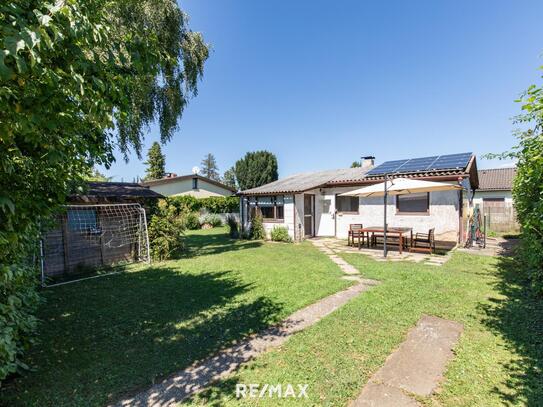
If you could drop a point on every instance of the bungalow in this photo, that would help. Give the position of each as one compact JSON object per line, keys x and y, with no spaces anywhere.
{"x":309,"y":204}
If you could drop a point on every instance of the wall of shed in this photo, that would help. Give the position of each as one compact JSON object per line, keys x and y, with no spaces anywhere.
{"x":184,"y":187}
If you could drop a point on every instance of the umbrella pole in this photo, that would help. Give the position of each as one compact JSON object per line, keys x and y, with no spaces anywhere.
{"x":385,"y":217}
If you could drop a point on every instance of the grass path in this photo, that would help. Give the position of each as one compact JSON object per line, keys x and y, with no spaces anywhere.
{"x":102,"y":338}
{"x":499,"y":359}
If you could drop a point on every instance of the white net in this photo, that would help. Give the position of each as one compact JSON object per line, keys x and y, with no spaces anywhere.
{"x":87,"y":237}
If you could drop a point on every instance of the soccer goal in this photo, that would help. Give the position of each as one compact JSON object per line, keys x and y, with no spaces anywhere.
{"x":87,"y":239}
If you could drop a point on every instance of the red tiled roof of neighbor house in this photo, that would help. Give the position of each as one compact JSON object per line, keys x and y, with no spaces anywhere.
{"x":496,"y":179}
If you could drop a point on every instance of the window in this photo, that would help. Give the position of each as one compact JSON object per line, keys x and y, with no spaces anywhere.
{"x":347,"y":204}
{"x":271,"y":207}
{"x":195,"y":183}
{"x":413,"y":203}
{"x":82,"y":220}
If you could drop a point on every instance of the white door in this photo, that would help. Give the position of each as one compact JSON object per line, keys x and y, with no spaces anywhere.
{"x":325,"y":215}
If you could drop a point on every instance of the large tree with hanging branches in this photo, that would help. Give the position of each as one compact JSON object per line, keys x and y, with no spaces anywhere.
{"x":77,"y":80}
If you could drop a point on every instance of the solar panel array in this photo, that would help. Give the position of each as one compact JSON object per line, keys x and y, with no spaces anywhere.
{"x":434,"y":163}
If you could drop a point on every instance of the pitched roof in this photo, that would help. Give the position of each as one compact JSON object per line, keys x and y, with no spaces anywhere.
{"x":496,"y":179}
{"x":118,"y":190}
{"x":353,"y":176}
{"x":185,"y":177}
{"x":308,"y":180}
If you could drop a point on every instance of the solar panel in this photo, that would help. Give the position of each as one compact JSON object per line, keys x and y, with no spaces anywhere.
{"x":387,"y":167}
{"x":442,"y":162}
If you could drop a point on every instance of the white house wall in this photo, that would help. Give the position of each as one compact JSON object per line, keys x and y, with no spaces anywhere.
{"x":443,"y":214}
{"x":184,"y":187}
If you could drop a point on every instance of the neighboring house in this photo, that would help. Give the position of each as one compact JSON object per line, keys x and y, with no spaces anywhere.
{"x":495,"y":199}
{"x":308,"y":204}
{"x":193,"y":184}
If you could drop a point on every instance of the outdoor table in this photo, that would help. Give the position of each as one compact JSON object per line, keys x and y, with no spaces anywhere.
{"x":401,"y":232}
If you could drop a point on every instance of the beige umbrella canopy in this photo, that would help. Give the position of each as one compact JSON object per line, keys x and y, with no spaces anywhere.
{"x":401,"y":186}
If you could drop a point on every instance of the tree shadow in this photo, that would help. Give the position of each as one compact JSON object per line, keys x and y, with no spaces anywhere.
{"x":518,"y":317}
{"x":200,"y":245}
{"x":105,"y":338}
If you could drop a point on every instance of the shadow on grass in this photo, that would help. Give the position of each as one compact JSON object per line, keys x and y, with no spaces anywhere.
{"x":121,"y":336}
{"x":199,"y":245}
{"x":519,"y":319}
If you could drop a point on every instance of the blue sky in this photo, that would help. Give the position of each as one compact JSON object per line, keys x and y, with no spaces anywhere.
{"x":322,"y":83}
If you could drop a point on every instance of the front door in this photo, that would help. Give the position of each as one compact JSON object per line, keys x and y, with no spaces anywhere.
{"x":309,"y":210}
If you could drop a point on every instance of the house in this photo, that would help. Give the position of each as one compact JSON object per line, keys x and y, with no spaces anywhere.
{"x":193,"y":184}
{"x":495,"y":199}
{"x":308,"y":204}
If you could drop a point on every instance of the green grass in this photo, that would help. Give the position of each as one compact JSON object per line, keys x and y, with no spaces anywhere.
{"x":102,"y":338}
{"x":499,"y":359}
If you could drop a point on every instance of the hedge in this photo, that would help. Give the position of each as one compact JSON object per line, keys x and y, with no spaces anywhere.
{"x":213,"y":204}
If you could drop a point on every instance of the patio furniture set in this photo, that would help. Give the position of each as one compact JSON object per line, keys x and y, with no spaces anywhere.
{"x":401,"y":236}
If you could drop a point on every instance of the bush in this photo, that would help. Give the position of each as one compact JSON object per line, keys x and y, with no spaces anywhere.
{"x":212,"y":220}
{"x":233,"y":226}
{"x":166,"y":235}
{"x":191,"y":220}
{"x":19,"y":300}
{"x":257,"y":228}
{"x":280,"y":234}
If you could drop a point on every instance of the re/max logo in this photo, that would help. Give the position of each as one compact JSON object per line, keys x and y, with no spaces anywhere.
{"x":255,"y":390}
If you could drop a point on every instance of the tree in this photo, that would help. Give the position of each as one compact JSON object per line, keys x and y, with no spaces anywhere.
{"x":94,"y":175}
{"x":356,"y":164}
{"x":77,"y":79}
{"x":229,"y":178}
{"x":255,"y":169}
{"x":156,"y":163}
{"x":528,"y":184}
{"x":209,"y":167}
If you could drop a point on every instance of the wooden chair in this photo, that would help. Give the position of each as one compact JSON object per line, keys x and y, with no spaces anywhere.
{"x":424,"y":242}
{"x":355,"y":233}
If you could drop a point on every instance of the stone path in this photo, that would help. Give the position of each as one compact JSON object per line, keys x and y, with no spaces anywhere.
{"x":200,"y":374}
{"x":416,"y":368}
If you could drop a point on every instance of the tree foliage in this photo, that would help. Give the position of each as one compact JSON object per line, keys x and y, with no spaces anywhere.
{"x":78,"y":78}
{"x":256,"y":169}
{"x":209,"y":167}
{"x":156,"y":163}
{"x":528,"y":183}
{"x":229,"y":178}
{"x":356,"y":164}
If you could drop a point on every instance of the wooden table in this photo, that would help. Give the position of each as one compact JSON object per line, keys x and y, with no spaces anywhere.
{"x":398,"y":231}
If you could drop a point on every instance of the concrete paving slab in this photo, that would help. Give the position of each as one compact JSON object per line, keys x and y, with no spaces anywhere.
{"x":381,"y":395}
{"x":419,"y":363}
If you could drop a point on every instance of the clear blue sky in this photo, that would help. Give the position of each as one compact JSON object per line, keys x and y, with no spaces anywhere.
{"x":322,"y":83}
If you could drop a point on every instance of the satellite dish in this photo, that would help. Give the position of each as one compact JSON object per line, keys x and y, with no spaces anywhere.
{"x":195,"y":170}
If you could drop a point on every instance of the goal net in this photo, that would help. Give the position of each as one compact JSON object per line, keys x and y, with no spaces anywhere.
{"x":86,"y":238}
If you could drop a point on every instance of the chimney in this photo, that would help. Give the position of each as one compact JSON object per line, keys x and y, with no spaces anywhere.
{"x":368,"y":161}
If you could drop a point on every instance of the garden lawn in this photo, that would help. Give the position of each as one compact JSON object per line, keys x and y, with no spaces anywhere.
{"x":110,"y":336}
{"x":499,"y":359}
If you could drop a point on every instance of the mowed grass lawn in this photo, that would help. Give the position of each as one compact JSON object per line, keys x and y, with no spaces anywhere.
{"x":499,"y":359}
{"x":106,"y":337}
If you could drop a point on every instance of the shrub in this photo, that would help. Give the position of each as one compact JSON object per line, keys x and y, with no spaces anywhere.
{"x":191,"y":220}
{"x":280,"y":234}
{"x":257,"y":228}
{"x":212,"y":220}
{"x":233,"y":226}
{"x":166,"y":235}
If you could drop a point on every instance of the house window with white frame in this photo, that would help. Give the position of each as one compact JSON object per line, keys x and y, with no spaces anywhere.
{"x":271,"y":207}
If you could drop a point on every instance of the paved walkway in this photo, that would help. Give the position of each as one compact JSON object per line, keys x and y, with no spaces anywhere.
{"x":332,"y":246}
{"x":200,"y":374}
{"x":416,"y":368}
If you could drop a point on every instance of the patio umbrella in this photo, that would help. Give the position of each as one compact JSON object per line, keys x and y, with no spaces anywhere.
{"x":399,"y":186}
